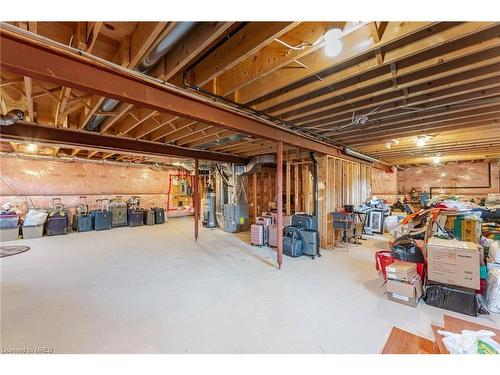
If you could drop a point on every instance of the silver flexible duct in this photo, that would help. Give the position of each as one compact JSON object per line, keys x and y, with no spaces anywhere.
{"x":11,"y":117}
{"x":148,"y":61}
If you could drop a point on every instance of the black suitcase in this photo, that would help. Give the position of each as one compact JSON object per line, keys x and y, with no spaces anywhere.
{"x":149,"y":217}
{"x":292,"y":244}
{"x":302,"y":221}
{"x":310,"y":242}
{"x":159,"y":215}
{"x":57,"y":224}
{"x":135,"y":217}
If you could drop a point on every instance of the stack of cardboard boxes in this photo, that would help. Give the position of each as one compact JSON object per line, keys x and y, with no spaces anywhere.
{"x":403,"y":283}
{"x":453,"y":275}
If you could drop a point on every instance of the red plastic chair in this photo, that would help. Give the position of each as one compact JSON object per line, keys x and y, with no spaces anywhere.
{"x":383,"y":258}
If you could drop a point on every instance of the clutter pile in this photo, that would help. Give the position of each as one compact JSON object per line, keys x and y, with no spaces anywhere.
{"x":457,"y":267}
{"x":456,"y":336}
{"x":58,"y":220}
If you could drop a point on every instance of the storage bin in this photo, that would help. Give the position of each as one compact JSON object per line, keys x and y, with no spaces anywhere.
{"x":9,"y":234}
{"x":9,"y":220}
{"x":32,"y":231}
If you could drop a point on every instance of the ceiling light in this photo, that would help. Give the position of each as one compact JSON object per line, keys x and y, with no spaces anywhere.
{"x":333,"y":45}
{"x":421,"y":141}
{"x":436,"y":160}
{"x":32,"y":147}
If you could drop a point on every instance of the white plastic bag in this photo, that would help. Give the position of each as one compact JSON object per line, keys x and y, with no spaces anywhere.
{"x":35,"y":217}
{"x":492,"y":295}
{"x":470,"y":342}
{"x":494,"y":251}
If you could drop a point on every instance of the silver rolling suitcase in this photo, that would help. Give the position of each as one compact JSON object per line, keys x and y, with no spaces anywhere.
{"x":273,"y":235}
{"x":266,"y":222}
{"x":257,"y":234}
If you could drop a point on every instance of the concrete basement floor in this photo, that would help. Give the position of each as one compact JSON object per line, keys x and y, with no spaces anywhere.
{"x":153,"y":290}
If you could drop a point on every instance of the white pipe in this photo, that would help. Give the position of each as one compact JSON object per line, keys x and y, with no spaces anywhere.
{"x":71,"y":159}
{"x":359,"y":155}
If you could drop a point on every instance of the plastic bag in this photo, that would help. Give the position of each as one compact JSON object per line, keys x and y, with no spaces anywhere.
{"x":35,"y":217}
{"x":495,"y":251}
{"x":470,"y":342}
{"x":492,"y":296}
{"x":405,"y":248}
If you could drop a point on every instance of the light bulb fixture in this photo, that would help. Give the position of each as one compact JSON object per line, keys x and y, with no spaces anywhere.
{"x":436,"y":160}
{"x":333,"y":44}
{"x":421,"y":141}
{"x":32,"y":147}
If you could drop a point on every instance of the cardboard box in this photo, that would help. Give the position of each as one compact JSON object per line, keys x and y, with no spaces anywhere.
{"x":453,"y":262}
{"x":403,"y":271}
{"x":405,"y":293}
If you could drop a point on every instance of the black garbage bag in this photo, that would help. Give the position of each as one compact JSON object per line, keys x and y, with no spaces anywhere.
{"x":454,"y":298}
{"x":405,"y":248}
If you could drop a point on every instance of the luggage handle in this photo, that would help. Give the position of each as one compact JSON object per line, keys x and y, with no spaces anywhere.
{"x":105,"y":203}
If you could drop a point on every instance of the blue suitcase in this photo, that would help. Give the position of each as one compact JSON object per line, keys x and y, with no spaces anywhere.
{"x":101,"y":220}
{"x":292,"y":244}
{"x":83,"y":223}
{"x":303,"y":221}
{"x":310,"y":242}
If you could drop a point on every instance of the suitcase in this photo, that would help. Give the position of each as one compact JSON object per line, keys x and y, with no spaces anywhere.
{"x":270,"y":215}
{"x":119,"y":216}
{"x":266,"y":222}
{"x":82,"y":223}
{"x":159,"y":215}
{"x":257,"y":235}
{"x":101,"y":220}
{"x":292,"y":244}
{"x":302,"y":221}
{"x":273,"y":235}
{"x":149,"y":217}
{"x":310,"y":242}
{"x":135,"y":217}
{"x":57,"y":224}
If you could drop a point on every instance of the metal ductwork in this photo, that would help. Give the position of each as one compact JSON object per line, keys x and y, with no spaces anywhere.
{"x":222,"y":141}
{"x":359,"y":155}
{"x":11,"y":117}
{"x":164,"y":46}
{"x":150,"y":59}
{"x":258,"y":160}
